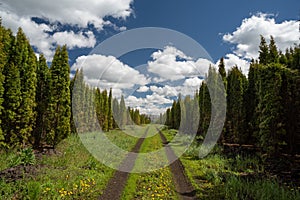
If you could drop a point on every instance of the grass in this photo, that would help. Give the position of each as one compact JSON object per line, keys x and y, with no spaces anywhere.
{"x":71,"y":174}
{"x":157,"y":184}
{"x":219,"y":177}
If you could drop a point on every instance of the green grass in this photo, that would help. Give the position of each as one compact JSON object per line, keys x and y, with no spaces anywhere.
{"x":73,"y":173}
{"x":218,"y":177}
{"x":157,"y":184}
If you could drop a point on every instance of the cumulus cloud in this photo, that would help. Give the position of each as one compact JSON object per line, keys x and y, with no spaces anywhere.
{"x":172,"y":64}
{"x":73,"y":40}
{"x":232,"y":60}
{"x":153,"y":104}
{"x":246,"y":38}
{"x":77,"y":13}
{"x":143,"y":89}
{"x":108,"y":72}
{"x":166,"y":90}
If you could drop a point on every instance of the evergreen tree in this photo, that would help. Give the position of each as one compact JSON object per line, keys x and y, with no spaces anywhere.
{"x":4,"y":43}
{"x":235,"y":106}
{"x":60,"y":107}
{"x":12,"y":99}
{"x":43,"y":100}
{"x":123,"y":113}
{"x":110,"y":117}
{"x":250,"y":103}
{"x":105,"y":110}
{"x":273,"y":55}
{"x":204,"y":109}
{"x":263,"y":51}
{"x":271,"y":128}
{"x":116,"y":113}
{"x":222,"y":71}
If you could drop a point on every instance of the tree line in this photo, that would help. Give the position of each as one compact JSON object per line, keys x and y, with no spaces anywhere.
{"x":36,"y":99}
{"x":95,"y":109}
{"x":263,"y":108}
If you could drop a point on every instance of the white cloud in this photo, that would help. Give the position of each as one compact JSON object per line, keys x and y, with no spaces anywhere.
{"x":230,"y":60}
{"x":192,"y":82}
{"x":143,"y":89}
{"x":166,"y":90}
{"x":76,"y":13}
{"x":152,"y":104}
{"x":172,"y":64}
{"x":246,"y":38}
{"x":108,"y":72}
{"x":35,"y":32}
{"x":73,"y":40}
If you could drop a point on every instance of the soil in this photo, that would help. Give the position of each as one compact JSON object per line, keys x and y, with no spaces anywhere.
{"x":117,"y":183}
{"x":19,"y":172}
{"x":182,"y":185}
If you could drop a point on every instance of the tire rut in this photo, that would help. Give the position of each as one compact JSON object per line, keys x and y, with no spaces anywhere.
{"x":182,"y":184}
{"x":117,"y":183}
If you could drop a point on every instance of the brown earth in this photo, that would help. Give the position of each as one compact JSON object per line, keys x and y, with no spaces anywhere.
{"x":183,"y":186}
{"x":117,"y":183}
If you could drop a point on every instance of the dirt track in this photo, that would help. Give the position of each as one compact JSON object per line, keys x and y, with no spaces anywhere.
{"x":118,"y":182}
{"x":183,"y":186}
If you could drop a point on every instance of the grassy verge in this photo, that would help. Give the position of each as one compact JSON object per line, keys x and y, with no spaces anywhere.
{"x":220,"y":177}
{"x":153,"y":185}
{"x":72,"y":173}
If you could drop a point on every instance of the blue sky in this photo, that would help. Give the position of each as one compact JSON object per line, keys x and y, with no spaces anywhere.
{"x":224,"y":28}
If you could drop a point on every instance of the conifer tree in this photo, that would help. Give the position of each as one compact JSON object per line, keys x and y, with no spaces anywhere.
{"x":235,"y":105}
{"x":110,"y":117}
{"x":12,"y":99}
{"x":60,"y":108}
{"x":4,"y":39}
{"x":263,"y":51}
{"x":222,"y":71}
{"x":26,"y":61}
{"x":43,"y":100}
{"x":116,"y":113}
{"x":123,"y":113}
{"x":273,"y":55}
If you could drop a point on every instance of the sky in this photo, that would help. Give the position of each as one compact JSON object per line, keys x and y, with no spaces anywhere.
{"x":150,"y":79}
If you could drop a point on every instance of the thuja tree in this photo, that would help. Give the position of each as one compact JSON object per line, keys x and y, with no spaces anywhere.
{"x":60,"y":101}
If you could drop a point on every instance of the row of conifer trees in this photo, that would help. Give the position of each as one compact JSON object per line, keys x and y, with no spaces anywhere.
{"x":36,"y":100}
{"x":262,"y":109}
